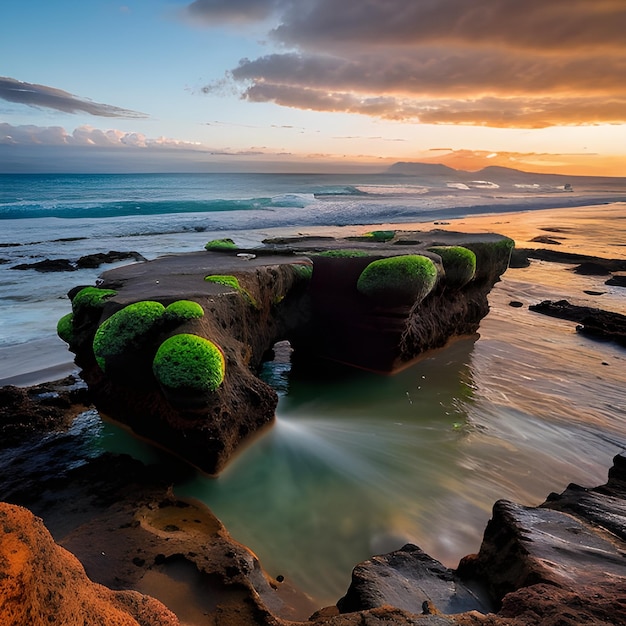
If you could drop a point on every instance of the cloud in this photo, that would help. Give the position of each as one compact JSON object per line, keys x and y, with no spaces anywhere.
{"x":31,"y":135}
{"x":507,"y":63}
{"x":41,"y":96}
{"x":212,"y":12}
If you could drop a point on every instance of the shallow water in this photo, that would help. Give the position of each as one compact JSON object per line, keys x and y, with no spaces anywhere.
{"x":356,"y":463}
{"x":359,"y":464}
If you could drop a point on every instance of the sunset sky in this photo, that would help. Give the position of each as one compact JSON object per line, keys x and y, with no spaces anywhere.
{"x":312,"y":85}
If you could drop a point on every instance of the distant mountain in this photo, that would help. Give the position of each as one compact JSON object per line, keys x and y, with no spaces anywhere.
{"x":512,"y":175}
{"x":422,"y":169}
{"x":496,"y":173}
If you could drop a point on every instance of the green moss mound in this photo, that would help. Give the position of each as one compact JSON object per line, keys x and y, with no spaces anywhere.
{"x":189,"y":362}
{"x":126,"y":331}
{"x":231,"y":281}
{"x":459,"y":263}
{"x":227,"y":280}
{"x":302,"y":271}
{"x":381,"y":235}
{"x":183,"y":310}
{"x":405,"y":278}
{"x":65,"y":328}
{"x":91,"y":297}
{"x":221,"y":244}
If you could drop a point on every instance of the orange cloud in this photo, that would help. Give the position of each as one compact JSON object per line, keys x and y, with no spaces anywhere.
{"x":525,"y":64}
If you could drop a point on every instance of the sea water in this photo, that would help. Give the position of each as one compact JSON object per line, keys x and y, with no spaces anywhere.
{"x":356,"y":464}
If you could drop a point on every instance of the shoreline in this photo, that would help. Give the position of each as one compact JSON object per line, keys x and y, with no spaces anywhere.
{"x":47,"y":359}
{"x":525,"y":224}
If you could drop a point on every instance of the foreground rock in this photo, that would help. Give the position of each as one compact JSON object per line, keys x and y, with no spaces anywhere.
{"x":173,"y":347}
{"x":41,"y":583}
{"x":562,"y":563}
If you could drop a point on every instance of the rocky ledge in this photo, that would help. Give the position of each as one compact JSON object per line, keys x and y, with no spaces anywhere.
{"x":173,"y":347}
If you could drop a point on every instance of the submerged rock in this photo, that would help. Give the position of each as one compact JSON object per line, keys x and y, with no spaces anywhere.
{"x":592,"y":322}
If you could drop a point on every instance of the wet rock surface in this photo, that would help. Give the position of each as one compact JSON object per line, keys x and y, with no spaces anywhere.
{"x":592,"y":322}
{"x":409,"y":579}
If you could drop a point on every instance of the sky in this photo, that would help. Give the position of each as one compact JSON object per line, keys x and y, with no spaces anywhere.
{"x":312,"y":85}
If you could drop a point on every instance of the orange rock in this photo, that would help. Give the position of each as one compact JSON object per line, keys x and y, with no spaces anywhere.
{"x":42,"y":583}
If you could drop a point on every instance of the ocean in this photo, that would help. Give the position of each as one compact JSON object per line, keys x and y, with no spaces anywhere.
{"x":356,"y":464}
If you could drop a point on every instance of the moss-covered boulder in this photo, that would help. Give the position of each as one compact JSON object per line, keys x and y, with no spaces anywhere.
{"x":126,"y":335}
{"x":91,"y":298}
{"x":183,"y":311}
{"x":459,"y":264}
{"x":221,"y":244}
{"x":408,"y":278}
{"x":188,"y":366}
{"x":65,"y":328}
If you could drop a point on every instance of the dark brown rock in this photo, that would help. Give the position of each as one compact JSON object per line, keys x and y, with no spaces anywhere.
{"x":591,"y":269}
{"x":592,"y":322}
{"x":554,"y":241}
{"x":39,"y":409}
{"x":48,"y":265}
{"x":100,"y":258}
{"x":617,"y":281}
{"x":323,"y":316}
{"x":556,"y":256}
{"x":411,"y":580}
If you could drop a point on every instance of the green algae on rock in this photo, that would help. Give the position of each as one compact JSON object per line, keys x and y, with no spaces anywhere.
{"x":126,"y":331}
{"x":65,"y":328}
{"x":221,"y":244}
{"x":459,"y":264}
{"x":189,"y":362}
{"x":406,"y":277}
{"x":91,"y":297}
{"x":183,"y":310}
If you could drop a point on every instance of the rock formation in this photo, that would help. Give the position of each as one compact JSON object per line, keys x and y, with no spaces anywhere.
{"x":41,"y":583}
{"x":172,"y":347}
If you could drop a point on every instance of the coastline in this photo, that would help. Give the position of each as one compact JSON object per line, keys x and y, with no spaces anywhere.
{"x":47,"y":359}
{"x":573,"y":225}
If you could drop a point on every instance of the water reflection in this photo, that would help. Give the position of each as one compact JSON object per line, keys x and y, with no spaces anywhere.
{"x":359,"y":464}
{"x":354,"y":466}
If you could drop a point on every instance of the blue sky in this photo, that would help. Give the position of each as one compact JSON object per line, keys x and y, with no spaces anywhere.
{"x":258,"y":85}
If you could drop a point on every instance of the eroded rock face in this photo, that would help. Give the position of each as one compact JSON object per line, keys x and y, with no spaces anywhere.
{"x":306,"y":290}
{"x":409,"y":579}
{"x":41,"y":583}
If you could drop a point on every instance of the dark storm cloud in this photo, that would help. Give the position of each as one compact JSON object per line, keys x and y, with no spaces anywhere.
{"x":41,"y":96}
{"x":486,"y":62}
